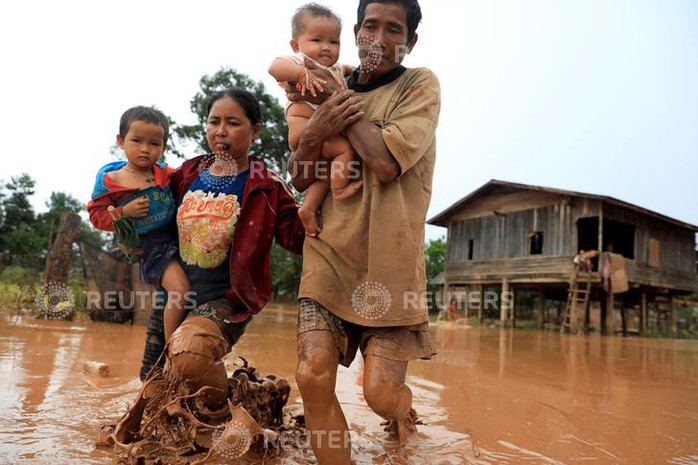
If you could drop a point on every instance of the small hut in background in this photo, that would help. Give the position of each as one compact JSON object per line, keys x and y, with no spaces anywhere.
{"x":517,"y":237}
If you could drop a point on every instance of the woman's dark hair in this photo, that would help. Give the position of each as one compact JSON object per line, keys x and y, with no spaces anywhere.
{"x":244,"y":98}
{"x":412,"y":9}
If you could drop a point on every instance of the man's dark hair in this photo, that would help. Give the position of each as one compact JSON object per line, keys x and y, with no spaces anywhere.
{"x":145,"y":114}
{"x":244,"y":98}
{"x":414,"y":13}
{"x":313,"y":10}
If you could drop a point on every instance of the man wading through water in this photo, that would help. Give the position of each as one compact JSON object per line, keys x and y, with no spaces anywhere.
{"x":363,"y":283}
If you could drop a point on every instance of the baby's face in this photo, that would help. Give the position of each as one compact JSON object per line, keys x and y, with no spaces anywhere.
{"x":320,"y":40}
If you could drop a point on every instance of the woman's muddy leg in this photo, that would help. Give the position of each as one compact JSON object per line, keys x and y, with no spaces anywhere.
{"x":316,"y":376}
{"x":194,"y":356}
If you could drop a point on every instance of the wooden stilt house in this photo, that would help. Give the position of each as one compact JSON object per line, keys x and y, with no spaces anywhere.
{"x":515,"y":236}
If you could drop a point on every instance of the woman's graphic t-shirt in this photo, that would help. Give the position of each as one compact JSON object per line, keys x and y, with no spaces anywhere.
{"x":206,"y":222}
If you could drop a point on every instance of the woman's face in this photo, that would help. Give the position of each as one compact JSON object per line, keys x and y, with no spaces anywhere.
{"x":229,"y":130}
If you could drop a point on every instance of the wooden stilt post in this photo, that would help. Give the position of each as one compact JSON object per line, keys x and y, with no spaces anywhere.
{"x":672,"y":316}
{"x":610,"y":314}
{"x":540,"y":317}
{"x":512,"y":306}
{"x":503,"y":308}
{"x":643,"y":314}
{"x":480,"y":313}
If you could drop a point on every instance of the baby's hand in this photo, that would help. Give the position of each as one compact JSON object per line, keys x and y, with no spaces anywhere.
{"x":137,"y":208}
{"x":306,"y":82}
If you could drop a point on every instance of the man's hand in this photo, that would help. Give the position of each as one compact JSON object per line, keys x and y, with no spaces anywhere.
{"x":136,"y":208}
{"x":340,"y":111}
{"x":331,"y":118}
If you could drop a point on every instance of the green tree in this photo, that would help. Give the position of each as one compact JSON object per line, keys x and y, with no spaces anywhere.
{"x":435,"y":256}
{"x":18,"y":217}
{"x":18,"y":209}
{"x":272,"y":146}
{"x":286,"y":271}
{"x":58,"y":203}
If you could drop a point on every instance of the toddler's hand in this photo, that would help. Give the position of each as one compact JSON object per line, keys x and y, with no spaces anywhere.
{"x":137,"y":208}
{"x":126,"y":250}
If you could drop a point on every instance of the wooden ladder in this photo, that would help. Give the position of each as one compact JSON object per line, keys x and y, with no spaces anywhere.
{"x":577,"y":301}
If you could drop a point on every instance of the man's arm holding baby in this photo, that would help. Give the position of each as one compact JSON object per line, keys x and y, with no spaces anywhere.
{"x":367,"y":141}
{"x":331,"y":118}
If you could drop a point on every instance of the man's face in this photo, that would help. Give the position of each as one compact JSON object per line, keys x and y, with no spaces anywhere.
{"x":382,"y":38}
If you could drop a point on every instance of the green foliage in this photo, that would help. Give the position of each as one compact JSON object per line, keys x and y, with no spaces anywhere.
{"x":17,"y":214}
{"x":435,"y":256}
{"x":271,"y":146}
{"x":286,"y":271}
{"x":26,"y":234}
{"x":24,"y":239}
{"x":19,"y":276}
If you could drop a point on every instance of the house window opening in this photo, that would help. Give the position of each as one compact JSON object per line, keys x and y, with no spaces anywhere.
{"x":536,"y":242}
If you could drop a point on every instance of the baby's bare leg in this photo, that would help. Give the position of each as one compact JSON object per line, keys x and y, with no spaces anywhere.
{"x":345,"y":178}
{"x":175,"y":282}
{"x":312,"y":203}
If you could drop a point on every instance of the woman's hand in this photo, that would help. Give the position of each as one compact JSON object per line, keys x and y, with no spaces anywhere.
{"x":136,"y":208}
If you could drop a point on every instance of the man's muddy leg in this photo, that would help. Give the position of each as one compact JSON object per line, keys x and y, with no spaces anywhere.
{"x":316,"y":376}
{"x":387,"y":394}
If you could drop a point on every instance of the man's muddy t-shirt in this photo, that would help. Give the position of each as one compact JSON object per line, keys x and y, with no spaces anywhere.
{"x":367,"y":264}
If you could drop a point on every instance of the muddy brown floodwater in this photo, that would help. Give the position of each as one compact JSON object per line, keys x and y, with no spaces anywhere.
{"x":490,"y":396}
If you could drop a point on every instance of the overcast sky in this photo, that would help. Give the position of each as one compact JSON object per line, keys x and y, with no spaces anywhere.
{"x":596,"y":96}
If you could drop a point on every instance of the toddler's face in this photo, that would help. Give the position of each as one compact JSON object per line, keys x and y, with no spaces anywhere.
{"x":143,"y":143}
{"x":319,"y":40}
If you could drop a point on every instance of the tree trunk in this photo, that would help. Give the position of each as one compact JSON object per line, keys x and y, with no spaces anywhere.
{"x":58,"y":259}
